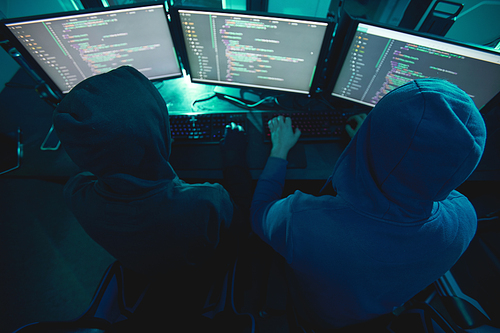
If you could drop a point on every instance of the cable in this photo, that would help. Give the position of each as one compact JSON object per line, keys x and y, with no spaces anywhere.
{"x":193,"y":108}
{"x":267,"y":99}
{"x":19,"y":85}
{"x":325,"y":101}
{"x":494,"y":43}
{"x":488,"y":218}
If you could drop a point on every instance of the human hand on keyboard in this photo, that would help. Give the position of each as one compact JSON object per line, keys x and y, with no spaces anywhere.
{"x":233,"y":146}
{"x":354,"y":123}
{"x":283,"y":137}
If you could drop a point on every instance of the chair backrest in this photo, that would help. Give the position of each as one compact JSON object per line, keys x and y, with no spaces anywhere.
{"x":421,"y":317}
{"x":118,"y":295}
{"x":469,"y":290}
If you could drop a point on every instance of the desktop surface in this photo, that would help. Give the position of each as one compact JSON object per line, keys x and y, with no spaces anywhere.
{"x":306,"y":160}
{"x":22,"y":107}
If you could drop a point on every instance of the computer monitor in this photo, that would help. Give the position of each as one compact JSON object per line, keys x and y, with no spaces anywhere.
{"x":241,"y":49}
{"x":66,"y":48}
{"x":375,"y":59}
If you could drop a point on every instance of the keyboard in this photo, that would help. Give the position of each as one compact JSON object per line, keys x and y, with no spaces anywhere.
{"x":209,"y":128}
{"x":203,"y":128}
{"x":314,"y":126}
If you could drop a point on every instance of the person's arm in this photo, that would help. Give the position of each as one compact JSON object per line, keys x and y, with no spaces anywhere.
{"x":270,"y":185}
{"x":237,"y":179}
{"x":354,"y":123}
{"x":76,"y":183}
{"x":268,"y":190}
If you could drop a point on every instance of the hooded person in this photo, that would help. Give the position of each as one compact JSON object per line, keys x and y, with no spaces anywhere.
{"x":393,"y":223}
{"x":115,"y":127}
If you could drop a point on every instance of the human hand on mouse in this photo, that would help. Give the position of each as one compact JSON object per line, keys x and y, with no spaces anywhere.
{"x":283,"y":136}
{"x":234,"y":145}
{"x":354,"y":123}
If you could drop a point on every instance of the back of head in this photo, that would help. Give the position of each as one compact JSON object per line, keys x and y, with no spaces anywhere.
{"x":420,"y":142}
{"x":116,"y":125}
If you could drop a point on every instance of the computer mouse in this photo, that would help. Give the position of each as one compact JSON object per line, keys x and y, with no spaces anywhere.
{"x":352,"y":122}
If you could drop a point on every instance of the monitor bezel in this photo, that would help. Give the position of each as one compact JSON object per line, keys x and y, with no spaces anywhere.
{"x":320,"y":64}
{"x":33,"y":64}
{"x":342,"y":41}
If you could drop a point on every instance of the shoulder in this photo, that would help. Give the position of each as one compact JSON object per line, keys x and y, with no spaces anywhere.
{"x":303,"y":202}
{"x":459,"y":207}
{"x":457,"y":211}
{"x":202,"y":190}
{"x":201,"y":196}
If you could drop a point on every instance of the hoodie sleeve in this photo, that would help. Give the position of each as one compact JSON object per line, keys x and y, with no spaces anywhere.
{"x":77,"y":182}
{"x":270,"y":214}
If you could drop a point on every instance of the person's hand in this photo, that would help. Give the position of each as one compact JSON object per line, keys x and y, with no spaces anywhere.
{"x":234,"y":136}
{"x":354,"y":123}
{"x":234,"y":145}
{"x":283,"y":136}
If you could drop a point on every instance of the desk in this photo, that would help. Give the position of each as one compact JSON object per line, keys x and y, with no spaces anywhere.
{"x":306,"y":160}
{"x":21,"y":107}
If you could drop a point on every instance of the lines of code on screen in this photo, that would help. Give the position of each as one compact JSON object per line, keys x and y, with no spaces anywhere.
{"x":376,"y":64}
{"x":73,"y":48}
{"x":252,"y":51}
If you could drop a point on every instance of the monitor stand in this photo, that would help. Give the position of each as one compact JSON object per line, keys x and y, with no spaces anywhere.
{"x":242,"y":94}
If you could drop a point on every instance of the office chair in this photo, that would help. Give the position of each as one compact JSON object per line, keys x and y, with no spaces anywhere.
{"x":415,"y":316}
{"x":418,"y":315}
{"x":469,"y":290}
{"x":464,"y":299}
{"x":118,"y":295}
{"x":443,"y":308}
{"x":128,"y":302}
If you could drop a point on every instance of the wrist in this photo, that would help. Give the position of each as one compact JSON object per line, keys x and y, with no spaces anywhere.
{"x":279,"y":153}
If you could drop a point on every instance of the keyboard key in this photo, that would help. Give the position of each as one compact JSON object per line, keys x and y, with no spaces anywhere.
{"x":203,"y":128}
{"x":314,"y":126}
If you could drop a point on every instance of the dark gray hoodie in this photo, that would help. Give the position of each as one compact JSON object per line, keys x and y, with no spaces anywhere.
{"x":115,"y":126}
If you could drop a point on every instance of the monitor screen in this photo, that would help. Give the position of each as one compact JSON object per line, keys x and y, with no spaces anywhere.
{"x":69,"y":48}
{"x":378,"y":59}
{"x":252,"y":50}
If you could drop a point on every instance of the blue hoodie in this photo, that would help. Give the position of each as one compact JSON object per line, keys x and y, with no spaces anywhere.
{"x":115,"y":127}
{"x":396,"y":223}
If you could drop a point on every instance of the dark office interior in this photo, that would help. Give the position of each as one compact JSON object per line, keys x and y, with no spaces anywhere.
{"x":51,"y":267}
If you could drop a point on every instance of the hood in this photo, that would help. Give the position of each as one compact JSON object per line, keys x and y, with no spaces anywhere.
{"x":420,"y":142}
{"x":116,"y":126}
